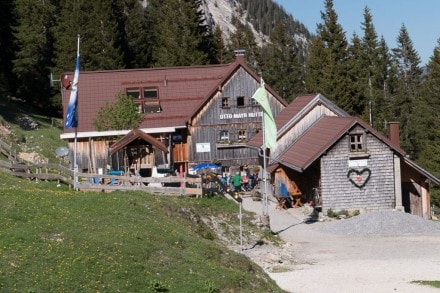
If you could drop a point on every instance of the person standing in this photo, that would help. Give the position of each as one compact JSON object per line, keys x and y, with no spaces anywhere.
{"x":236,"y":181}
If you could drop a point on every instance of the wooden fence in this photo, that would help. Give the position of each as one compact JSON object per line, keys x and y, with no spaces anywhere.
{"x":171,"y":185}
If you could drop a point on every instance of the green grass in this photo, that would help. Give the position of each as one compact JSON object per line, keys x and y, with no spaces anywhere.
{"x":435,"y":284}
{"x":56,"y":240}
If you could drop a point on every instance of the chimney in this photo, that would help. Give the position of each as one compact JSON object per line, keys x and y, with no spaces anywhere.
{"x":239,"y":54}
{"x":393,"y":133}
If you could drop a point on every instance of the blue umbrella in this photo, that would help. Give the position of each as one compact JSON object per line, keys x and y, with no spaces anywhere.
{"x":203,"y":166}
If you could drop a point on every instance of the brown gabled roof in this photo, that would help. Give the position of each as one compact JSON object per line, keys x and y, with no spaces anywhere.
{"x":137,"y":134}
{"x":320,"y":137}
{"x":182,"y":91}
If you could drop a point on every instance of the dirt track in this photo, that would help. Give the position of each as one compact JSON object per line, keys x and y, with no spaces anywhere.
{"x":331,"y":263}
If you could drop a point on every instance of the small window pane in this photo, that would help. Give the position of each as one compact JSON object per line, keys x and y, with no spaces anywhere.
{"x":240,"y":102}
{"x":134,"y":93}
{"x":224,"y":135}
{"x":225,"y":102}
{"x":242,"y":134}
{"x":150,"y":93}
{"x":356,"y":143}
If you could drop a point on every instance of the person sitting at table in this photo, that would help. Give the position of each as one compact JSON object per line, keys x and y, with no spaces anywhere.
{"x":284,"y":195}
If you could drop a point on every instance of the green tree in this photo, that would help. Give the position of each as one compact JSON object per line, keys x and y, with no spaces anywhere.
{"x":244,"y":39}
{"x":33,"y":43}
{"x":135,"y":39}
{"x":122,"y":114}
{"x":407,"y":102}
{"x":357,"y":72}
{"x":327,"y":66}
{"x":280,"y":65}
{"x":179,"y":33}
{"x":6,"y":47}
{"x":430,"y":154}
{"x":94,"y":21}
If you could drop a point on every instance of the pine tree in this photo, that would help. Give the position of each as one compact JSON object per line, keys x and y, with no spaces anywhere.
{"x":100,"y":40}
{"x":218,"y":52}
{"x":6,"y":49}
{"x":357,"y":72}
{"x":135,"y":43}
{"x":327,"y":66}
{"x":406,"y":103}
{"x":430,"y":154}
{"x":280,"y":66}
{"x":33,"y":42}
{"x":179,"y":33}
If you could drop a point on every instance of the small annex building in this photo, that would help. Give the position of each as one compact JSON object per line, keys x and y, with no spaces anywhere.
{"x":197,"y":113}
{"x":353,"y":167}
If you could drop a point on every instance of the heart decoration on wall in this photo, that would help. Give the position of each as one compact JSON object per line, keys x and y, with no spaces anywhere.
{"x":359,"y":178}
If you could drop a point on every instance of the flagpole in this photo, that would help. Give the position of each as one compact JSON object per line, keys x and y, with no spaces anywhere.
{"x":265,"y":197}
{"x":75,"y":165}
{"x":265,"y":211}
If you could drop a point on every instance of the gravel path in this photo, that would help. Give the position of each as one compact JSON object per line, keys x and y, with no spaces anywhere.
{"x":374,"y":252}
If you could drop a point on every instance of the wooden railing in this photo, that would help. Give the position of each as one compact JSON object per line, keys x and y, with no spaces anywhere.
{"x":172,"y":185}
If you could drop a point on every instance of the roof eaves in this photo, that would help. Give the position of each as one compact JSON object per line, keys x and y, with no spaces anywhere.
{"x":423,"y":171}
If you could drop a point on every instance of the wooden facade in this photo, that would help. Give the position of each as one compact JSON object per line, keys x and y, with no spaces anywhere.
{"x":337,"y":190}
{"x":221,"y":129}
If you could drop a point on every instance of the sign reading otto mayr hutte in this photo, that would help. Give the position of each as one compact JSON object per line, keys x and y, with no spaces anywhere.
{"x":241,"y":115}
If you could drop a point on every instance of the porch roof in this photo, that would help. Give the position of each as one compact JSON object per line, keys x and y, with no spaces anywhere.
{"x":133,"y":135}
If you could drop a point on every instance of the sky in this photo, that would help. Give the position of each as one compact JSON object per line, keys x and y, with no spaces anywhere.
{"x":421,"y":19}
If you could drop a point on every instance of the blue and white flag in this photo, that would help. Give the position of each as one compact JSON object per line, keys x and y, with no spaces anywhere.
{"x":72,"y":111}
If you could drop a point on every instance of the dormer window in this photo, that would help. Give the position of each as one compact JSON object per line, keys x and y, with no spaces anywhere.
{"x":134,"y":93}
{"x":146,"y":98}
{"x":150,"y":93}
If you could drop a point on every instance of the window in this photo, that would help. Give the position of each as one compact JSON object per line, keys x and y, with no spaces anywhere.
{"x":150,"y":93}
{"x":357,"y":143}
{"x":146,"y":99}
{"x":254,"y":103}
{"x":224,"y":135}
{"x":225,"y":102}
{"x":240,"y":101}
{"x":134,"y":93}
{"x":242,"y":134}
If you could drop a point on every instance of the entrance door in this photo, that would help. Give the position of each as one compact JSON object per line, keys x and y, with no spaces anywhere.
{"x":412,"y":198}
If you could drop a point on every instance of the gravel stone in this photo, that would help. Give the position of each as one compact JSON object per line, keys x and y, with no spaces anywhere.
{"x":382,"y":223}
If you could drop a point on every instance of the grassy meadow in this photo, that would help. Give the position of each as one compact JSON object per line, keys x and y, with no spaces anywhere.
{"x":57,"y":240}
